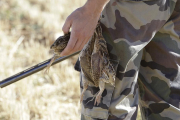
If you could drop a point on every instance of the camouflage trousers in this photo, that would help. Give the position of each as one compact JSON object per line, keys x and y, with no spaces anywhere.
{"x":143,"y":38}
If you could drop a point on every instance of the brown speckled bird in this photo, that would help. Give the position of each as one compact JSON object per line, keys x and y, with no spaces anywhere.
{"x":57,"y":47}
{"x":102,"y":69}
{"x":95,"y":64}
{"x":85,"y":63}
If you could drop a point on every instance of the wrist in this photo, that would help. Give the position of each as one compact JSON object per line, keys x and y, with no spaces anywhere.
{"x":96,"y":6}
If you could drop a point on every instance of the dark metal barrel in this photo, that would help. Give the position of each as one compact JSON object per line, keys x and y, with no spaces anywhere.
{"x":32,"y":70}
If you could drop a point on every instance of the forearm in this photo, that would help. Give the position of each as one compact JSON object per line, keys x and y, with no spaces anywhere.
{"x":96,"y":6}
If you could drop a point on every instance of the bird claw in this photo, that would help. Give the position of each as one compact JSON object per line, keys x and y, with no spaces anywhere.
{"x":97,"y":100}
{"x":46,"y":71}
{"x":49,"y":65}
{"x":81,"y":98}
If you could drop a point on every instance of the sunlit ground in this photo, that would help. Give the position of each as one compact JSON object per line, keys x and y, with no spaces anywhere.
{"x":27,"y":29}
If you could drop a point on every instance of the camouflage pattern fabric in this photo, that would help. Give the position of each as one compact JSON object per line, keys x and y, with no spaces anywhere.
{"x":144,"y":37}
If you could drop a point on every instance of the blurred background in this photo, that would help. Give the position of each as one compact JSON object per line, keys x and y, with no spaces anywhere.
{"x":27,"y":29}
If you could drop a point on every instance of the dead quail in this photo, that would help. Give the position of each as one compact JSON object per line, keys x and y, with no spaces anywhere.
{"x":57,"y":47}
{"x":85,"y":63}
{"x":102,"y":69}
{"x":95,"y":64}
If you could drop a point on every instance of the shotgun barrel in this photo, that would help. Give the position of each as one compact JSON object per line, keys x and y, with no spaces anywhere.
{"x":32,"y":70}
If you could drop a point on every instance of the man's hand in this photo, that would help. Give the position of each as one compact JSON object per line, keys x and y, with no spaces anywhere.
{"x":82,"y":22}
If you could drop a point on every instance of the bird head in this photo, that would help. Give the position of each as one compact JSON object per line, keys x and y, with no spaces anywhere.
{"x":59,"y":45}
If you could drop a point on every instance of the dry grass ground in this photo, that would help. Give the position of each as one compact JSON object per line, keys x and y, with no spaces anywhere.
{"x":27,"y":29}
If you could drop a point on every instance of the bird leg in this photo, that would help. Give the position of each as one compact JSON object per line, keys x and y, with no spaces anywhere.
{"x":85,"y":86}
{"x":104,"y":77}
{"x":101,"y":87}
{"x":49,"y":65}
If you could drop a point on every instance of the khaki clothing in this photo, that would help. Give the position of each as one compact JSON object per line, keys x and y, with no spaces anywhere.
{"x":143,"y":39}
